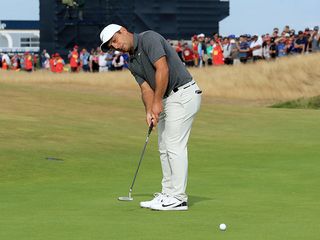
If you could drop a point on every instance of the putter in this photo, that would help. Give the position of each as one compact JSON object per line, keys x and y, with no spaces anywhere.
{"x":130,"y":198}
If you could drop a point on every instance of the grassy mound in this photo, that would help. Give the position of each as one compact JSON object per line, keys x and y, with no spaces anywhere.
{"x":265,"y":83}
{"x":302,"y":103}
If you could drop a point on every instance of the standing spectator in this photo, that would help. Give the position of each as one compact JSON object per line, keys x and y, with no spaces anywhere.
{"x":202,"y":50}
{"x":45,"y":58}
{"x":179,"y":50}
{"x":227,"y":51}
{"x":301,"y":43}
{"x":292,"y":33}
{"x":266,"y":48}
{"x":243,"y":49}
{"x":275,"y":33}
{"x":21,"y":57}
{"x":256,"y":47}
{"x":103,"y":62}
{"x":52,"y":63}
{"x":289,"y":46}
{"x":315,"y":39}
{"x":59,"y":63}
{"x":109,"y":59}
{"x":267,"y":35}
{"x":118,"y":61}
{"x":217,"y":53}
{"x":28,"y":64}
{"x":281,"y":46}
{"x":273,"y":50}
{"x":216,"y":37}
{"x":188,"y":56}
{"x":74,"y":59}
{"x":307,"y":35}
{"x":235,"y":51}
{"x":6,"y":62}
{"x":16,"y":62}
{"x":84,"y":59}
{"x":209,"y":52}
{"x":286,"y":29}
{"x":94,"y":61}
{"x":195,"y":50}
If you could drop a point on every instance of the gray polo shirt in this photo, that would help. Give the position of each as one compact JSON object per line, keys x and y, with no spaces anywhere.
{"x":149,"y":46}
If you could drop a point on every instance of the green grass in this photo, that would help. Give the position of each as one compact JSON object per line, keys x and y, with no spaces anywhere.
{"x":255,"y":169}
{"x":301,"y":103}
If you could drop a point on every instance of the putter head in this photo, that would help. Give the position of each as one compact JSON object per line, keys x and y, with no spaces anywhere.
{"x":125,"y":198}
{"x":129,"y":198}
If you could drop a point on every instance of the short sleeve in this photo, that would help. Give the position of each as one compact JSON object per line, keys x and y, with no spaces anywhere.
{"x":139,"y":79}
{"x":153,"y":46}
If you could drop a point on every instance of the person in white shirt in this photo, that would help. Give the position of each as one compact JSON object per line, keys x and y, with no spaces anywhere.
{"x":256,"y":47}
{"x":118,"y":61}
{"x":227,"y":51}
{"x":6,"y":58}
{"x":103,"y":62}
{"x":266,"y":48}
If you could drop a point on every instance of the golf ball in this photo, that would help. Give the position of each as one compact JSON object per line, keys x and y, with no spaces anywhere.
{"x":222,"y":227}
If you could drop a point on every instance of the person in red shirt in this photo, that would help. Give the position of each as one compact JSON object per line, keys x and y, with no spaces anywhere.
{"x":52,"y":63}
{"x":195,"y":50}
{"x":74,"y":59}
{"x":28,"y":64}
{"x":59,"y":63}
{"x":178,"y":48}
{"x":188,"y":55}
{"x":217,"y":53}
{"x":5,"y":65}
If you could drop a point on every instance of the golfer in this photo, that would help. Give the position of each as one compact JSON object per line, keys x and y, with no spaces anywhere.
{"x":171,"y":99}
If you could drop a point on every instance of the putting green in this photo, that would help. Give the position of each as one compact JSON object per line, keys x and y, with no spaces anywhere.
{"x":68,"y":154}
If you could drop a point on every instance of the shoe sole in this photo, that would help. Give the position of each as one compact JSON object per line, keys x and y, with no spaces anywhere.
{"x":144,"y":207}
{"x":171,"y":209}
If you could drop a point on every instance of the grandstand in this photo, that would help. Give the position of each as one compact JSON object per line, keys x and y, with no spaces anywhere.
{"x":65,"y":23}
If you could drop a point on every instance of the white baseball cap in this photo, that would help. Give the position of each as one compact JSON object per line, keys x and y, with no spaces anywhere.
{"x":106,"y":34}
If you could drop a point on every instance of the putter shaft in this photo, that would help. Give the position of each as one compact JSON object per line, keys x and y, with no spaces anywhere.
{"x":141,"y":157}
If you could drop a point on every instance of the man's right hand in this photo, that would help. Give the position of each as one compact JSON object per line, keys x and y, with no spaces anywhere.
{"x":150,"y":118}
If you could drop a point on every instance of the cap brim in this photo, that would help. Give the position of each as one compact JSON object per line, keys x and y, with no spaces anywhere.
{"x":104,"y":47}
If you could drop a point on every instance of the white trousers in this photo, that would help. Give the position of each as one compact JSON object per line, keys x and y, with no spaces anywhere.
{"x":103,"y":69}
{"x":174,"y":129}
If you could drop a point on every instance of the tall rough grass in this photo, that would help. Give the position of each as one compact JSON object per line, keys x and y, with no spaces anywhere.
{"x":284,"y":79}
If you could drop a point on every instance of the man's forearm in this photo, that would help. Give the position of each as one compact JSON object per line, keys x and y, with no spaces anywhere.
{"x":162,"y":77}
{"x":147,"y":99}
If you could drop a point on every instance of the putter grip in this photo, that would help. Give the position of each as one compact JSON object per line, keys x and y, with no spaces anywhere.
{"x":150,"y":128}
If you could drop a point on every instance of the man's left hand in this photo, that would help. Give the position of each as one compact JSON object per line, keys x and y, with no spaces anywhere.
{"x":157,"y":108}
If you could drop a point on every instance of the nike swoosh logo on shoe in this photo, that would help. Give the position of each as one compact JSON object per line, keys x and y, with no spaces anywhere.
{"x":183,"y":204}
{"x":163,"y":205}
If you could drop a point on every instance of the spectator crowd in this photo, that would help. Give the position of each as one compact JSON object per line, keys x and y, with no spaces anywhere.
{"x":200,"y":51}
